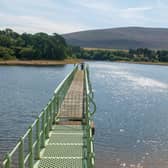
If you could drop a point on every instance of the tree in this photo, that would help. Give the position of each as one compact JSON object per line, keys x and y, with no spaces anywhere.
{"x":6,"y":53}
{"x":5,"y":41}
{"x":27,"y":53}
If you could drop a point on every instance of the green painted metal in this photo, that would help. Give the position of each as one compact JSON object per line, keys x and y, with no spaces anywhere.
{"x":44,"y":129}
{"x":88,"y":114}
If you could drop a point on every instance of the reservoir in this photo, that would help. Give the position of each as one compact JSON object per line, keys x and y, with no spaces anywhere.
{"x":131,"y":120}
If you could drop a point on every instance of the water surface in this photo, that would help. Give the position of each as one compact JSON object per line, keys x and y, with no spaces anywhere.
{"x":24,"y":91}
{"x":132,"y":115}
{"x":132,"y":109}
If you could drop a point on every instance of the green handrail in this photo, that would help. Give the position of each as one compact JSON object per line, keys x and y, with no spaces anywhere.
{"x":88,"y":115}
{"x":41,"y":126}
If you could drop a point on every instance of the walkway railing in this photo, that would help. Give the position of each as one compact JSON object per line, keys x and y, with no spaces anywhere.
{"x":88,"y":116}
{"x":27,"y":150}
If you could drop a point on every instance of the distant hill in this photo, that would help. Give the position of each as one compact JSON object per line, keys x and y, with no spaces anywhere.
{"x":120,"y":38}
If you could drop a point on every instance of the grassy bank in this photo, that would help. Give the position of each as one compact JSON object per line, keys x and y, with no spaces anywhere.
{"x":40,"y":62}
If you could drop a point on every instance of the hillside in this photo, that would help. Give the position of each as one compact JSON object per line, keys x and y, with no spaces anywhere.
{"x":120,"y":38}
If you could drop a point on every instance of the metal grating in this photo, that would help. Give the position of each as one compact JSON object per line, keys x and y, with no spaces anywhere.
{"x":72,"y":105}
{"x":60,"y":163}
{"x":66,"y":145}
{"x":67,"y":128}
{"x":63,"y":151}
{"x":66,"y":138}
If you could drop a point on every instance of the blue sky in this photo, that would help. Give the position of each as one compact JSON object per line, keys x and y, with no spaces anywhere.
{"x":63,"y":16}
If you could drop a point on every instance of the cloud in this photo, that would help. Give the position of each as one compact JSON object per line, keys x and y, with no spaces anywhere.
{"x":135,"y":13}
{"x":96,"y":5}
{"x":74,"y":15}
{"x":34,"y":24}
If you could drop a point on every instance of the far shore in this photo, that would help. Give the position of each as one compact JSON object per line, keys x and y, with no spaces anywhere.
{"x":146,"y":63}
{"x":40,"y":62}
{"x":66,"y":61}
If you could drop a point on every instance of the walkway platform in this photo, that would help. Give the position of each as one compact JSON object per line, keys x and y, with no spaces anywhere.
{"x":62,"y":135}
{"x":66,"y":146}
{"x":72,"y":105}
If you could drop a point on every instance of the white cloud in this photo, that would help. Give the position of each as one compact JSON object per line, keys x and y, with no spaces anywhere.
{"x":134,"y":13}
{"x":33,"y":24}
{"x":74,"y":15}
{"x":96,"y":5}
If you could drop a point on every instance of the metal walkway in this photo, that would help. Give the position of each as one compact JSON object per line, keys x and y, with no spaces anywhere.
{"x":72,"y":105}
{"x":62,"y":136}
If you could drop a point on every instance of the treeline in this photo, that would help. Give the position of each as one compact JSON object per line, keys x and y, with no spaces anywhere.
{"x":32,"y":46}
{"x":53,"y":47}
{"x":140,"y":54}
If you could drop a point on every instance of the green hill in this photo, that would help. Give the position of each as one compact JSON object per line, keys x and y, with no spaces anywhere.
{"x":120,"y":38}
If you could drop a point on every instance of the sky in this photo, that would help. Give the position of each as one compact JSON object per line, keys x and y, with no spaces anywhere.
{"x":65,"y":16}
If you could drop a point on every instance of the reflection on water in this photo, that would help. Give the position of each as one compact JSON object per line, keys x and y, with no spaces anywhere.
{"x":132,"y":116}
{"x":132,"y":110}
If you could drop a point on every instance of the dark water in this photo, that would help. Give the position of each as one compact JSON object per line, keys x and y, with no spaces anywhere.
{"x":132,"y":110}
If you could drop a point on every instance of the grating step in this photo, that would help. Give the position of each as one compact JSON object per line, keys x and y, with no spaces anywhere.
{"x":60,"y":163}
{"x":67,"y":128}
{"x":63,"y":151}
{"x":66,"y":138}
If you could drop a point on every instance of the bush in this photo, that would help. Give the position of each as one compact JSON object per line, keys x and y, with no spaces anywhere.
{"x":27,"y":53}
{"x":6,"y":53}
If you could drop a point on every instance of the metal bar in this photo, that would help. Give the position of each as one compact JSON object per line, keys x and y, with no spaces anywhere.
{"x":14,"y":149}
{"x":31,"y":158}
{"x":34,"y":123}
{"x":60,"y":85}
{"x":21,"y":153}
{"x":26,"y":134}
{"x":47,"y":118}
{"x":7,"y":162}
{"x":47,"y":122}
{"x":26,"y":158}
{"x":37,"y":156}
{"x":50,"y":116}
{"x":43,"y":129}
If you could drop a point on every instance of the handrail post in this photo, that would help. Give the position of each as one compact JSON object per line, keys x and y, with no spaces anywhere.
{"x":54,"y":109}
{"x":50,"y":115}
{"x":38,"y":139}
{"x":57,"y":103}
{"x":8,"y":162}
{"x":43,"y":130}
{"x":31,"y":158}
{"x":47,"y":121}
{"x":21,"y":153}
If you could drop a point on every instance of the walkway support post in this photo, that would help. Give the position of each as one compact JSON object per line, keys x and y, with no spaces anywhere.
{"x":8,"y":161}
{"x":38,"y":139}
{"x":41,"y":127}
{"x":43,"y":131}
{"x":31,"y":158}
{"x":21,"y":153}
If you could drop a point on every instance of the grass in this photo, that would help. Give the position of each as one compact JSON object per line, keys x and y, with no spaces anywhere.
{"x":40,"y":62}
{"x":104,"y":49}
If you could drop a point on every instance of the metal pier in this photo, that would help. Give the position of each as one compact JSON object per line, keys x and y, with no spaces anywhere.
{"x":62,"y":135}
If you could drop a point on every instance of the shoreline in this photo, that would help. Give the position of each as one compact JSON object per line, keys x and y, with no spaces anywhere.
{"x":40,"y":62}
{"x":145,"y":63}
{"x":132,"y":62}
{"x":66,"y":61}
